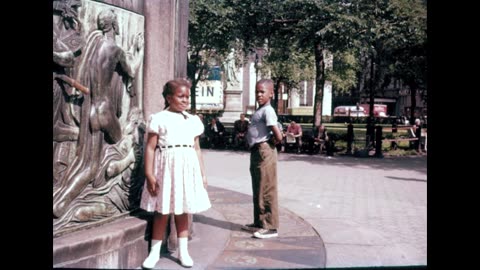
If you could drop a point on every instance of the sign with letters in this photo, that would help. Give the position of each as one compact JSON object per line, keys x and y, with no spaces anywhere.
{"x":209,"y":95}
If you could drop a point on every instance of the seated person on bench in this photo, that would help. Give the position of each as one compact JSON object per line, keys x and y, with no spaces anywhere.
{"x":294,"y":130}
{"x":215,"y":132}
{"x":240,"y":128}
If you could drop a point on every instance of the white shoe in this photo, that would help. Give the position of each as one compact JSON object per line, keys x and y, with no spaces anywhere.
{"x":186,"y":261}
{"x":183,"y":256}
{"x":265,"y":233}
{"x":150,"y":261}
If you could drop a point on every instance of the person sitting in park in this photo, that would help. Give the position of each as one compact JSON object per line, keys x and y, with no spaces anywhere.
{"x":417,"y":131}
{"x":215,"y":133}
{"x":325,"y":141}
{"x":294,"y":130}
{"x":240,"y":128}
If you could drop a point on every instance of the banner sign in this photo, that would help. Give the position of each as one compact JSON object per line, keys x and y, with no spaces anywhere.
{"x":209,"y":95}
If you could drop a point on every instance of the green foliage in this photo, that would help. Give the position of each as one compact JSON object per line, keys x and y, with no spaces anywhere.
{"x":344,"y":73}
{"x":290,"y":65}
{"x":212,"y":30}
{"x":409,"y":53}
{"x":390,"y":33}
{"x":212,"y":25}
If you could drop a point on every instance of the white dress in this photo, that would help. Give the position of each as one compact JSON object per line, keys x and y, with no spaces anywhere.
{"x":176,"y":168}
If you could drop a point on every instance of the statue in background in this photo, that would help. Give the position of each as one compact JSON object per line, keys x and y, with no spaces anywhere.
{"x":230,"y":68}
{"x":106,"y":69}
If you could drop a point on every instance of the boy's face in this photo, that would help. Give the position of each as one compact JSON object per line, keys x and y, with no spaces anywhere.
{"x":263,"y":93}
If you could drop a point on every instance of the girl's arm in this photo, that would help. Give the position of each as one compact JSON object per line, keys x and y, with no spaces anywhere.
{"x":200,"y":159}
{"x":149,"y":166}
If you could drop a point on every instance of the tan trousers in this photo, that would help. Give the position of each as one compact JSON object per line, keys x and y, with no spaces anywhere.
{"x":263,"y":169}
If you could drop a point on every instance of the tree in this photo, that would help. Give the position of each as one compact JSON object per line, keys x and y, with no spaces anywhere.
{"x":288,"y":66}
{"x":375,"y":33}
{"x":212,"y":29}
{"x":372,"y":41}
{"x":409,"y":54}
{"x":344,"y":73}
{"x":391,"y":40}
{"x":307,"y":27}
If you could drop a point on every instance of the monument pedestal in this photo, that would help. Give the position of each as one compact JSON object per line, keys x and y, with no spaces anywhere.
{"x":120,"y":244}
{"x":233,"y":106}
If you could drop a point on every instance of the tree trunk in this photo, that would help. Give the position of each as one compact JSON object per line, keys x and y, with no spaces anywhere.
{"x":193,"y":99}
{"x":319,"y":83}
{"x":372,"y":88}
{"x":193,"y":67}
{"x":191,"y":71}
{"x":275,"y":96}
{"x":413,"y":100}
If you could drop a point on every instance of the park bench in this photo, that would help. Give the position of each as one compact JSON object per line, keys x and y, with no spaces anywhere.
{"x":394,"y":142}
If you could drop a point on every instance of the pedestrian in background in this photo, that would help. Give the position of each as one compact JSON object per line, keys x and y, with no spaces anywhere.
{"x":417,"y":130}
{"x":350,"y":137}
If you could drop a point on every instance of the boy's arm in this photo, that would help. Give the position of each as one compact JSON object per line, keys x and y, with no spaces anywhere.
{"x":277,"y":135}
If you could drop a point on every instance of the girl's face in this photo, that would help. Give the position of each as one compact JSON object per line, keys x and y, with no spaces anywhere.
{"x":179,"y":100}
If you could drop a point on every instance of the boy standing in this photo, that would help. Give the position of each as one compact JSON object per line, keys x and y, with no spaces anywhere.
{"x":263,"y":163}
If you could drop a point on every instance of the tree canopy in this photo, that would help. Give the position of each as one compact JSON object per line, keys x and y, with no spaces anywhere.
{"x":372,"y":41}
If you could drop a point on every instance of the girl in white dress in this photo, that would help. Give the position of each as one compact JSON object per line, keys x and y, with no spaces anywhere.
{"x":175,"y":176}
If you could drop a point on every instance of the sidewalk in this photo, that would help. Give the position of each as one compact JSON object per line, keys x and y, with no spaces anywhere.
{"x":220,"y":243}
{"x":368,"y":211}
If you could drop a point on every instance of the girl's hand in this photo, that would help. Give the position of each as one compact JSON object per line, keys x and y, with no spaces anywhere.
{"x":205,"y":183}
{"x":152,"y":187}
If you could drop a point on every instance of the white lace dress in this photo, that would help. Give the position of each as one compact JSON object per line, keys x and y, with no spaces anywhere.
{"x":177,"y":168}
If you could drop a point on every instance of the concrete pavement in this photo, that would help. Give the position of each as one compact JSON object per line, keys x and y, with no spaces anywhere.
{"x":338,"y":212}
{"x":368,"y":211}
{"x":220,"y":243}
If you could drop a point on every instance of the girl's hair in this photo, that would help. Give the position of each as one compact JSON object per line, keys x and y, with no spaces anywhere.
{"x":170,"y":87}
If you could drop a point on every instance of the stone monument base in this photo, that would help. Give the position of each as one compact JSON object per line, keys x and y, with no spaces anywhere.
{"x":233,"y":106}
{"x":228,"y":118}
{"x":121,"y":244}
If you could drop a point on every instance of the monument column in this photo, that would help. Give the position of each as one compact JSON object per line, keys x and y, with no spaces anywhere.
{"x":96,"y":229}
{"x":159,"y":52}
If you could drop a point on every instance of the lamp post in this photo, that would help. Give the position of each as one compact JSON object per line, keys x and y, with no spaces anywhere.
{"x":285,"y":102}
{"x":258,"y":64}
{"x":259,"y":52}
{"x":358,"y":108}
